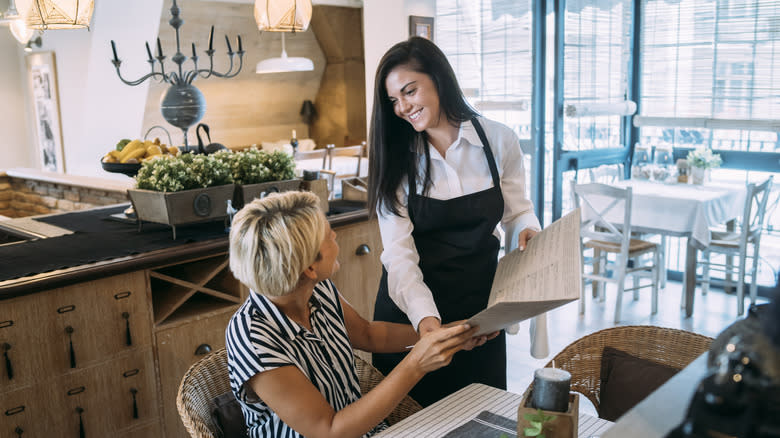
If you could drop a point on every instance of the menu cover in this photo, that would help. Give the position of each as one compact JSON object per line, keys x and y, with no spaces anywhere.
{"x":546,"y":275}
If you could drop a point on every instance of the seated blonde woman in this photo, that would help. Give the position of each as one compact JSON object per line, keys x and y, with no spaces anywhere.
{"x":290,"y":344}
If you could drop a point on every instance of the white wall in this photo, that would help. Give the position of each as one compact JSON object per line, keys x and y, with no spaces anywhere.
{"x":96,"y":108}
{"x":384,"y":24}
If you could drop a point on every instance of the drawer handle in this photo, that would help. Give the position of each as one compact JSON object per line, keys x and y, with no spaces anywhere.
{"x":4,"y":324}
{"x":66,"y":309}
{"x":128,"y":337}
{"x":203,"y":349}
{"x":78,"y":390}
{"x":363,"y":250}
{"x":14,"y":411}
{"x":131,"y":373}
{"x":134,"y":391}
{"x":8,"y":368}
{"x":18,"y":431}
{"x":80,"y":410}
{"x":122,"y":295}
{"x":69,"y":331}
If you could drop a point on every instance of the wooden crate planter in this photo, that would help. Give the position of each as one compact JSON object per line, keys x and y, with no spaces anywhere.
{"x":563,"y":426}
{"x":245,"y":193}
{"x":180,"y":208}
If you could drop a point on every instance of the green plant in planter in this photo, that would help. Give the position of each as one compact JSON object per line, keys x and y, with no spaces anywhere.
{"x":185,"y":172}
{"x":253,"y":166}
{"x":538,"y":422}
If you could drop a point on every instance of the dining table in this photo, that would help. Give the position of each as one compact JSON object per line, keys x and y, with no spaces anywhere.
{"x":681,"y":210}
{"x":470,"y":403}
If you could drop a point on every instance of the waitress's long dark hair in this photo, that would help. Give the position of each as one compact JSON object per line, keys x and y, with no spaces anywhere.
{"x":393,"y":141}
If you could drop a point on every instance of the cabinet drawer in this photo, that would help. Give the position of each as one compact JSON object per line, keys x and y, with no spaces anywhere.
{"x":176,"y":352}
{"x":90,"y":322}
{"x":360,"y":247}
{"x":24,"y":409}
{"x":23,"y":338}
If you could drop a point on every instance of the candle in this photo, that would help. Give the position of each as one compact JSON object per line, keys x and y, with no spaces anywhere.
{"x":211,"y":39}
{"x":551,"y":389}
{"x":149,"y":51}
{"x":227,"y":40}
{"x":113,"y":49}
{"x":159,"y":48}
{"x":240,"y":47}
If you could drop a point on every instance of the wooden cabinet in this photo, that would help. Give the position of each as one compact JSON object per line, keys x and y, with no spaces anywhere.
{"x":177,"y":349}
{"x":360,"y":247}
{"x":107,"y":356}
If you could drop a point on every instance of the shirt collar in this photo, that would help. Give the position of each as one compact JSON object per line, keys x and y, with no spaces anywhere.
{"x":288,"y":328}
{"x":467,"y":136}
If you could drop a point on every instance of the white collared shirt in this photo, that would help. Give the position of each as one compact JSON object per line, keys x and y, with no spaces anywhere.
{"x":463,"y":171}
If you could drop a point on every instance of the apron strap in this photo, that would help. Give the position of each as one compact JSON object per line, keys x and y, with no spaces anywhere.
{"x":488,"y":152}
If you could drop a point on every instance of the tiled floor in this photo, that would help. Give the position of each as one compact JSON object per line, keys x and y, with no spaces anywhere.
{"x":712,"y":313}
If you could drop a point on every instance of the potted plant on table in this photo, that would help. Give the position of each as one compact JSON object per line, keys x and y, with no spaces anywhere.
{"x":180,"y":190}
{"x":257,"y":173}
{"x":701,"y":161}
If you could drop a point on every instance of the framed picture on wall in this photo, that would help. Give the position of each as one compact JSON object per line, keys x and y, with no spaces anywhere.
{"x":421,"y":26}
{"x":42,"y":79}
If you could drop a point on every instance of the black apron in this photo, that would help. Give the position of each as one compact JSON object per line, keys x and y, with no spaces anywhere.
{"x":458,"y":258}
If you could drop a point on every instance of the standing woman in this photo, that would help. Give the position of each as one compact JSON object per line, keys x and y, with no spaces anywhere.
{"x":441,"y":179}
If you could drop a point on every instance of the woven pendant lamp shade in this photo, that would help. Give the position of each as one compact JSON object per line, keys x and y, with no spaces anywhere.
{"x":56,"y":14}
{"x":283,"y":15}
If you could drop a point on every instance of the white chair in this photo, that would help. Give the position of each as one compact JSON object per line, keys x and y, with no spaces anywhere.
{"x":735,"y":243}
{"x":604,"y":238}
{"x":343,"y":163}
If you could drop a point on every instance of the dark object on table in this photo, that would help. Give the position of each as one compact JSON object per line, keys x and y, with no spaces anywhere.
{"x":129,"y":169}
{"x":551,"y":389}
{"x":740,"y":395}
{"x":209,"y":148}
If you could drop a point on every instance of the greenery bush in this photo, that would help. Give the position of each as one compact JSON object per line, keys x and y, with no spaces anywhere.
{"x":253,"y":166}
{"x":185,"y":172}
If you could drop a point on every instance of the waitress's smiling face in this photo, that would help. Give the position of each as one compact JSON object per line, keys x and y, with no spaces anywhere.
{"x":414,"y":97}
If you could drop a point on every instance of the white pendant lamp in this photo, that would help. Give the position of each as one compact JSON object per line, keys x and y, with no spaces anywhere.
{"x":15,"y":22}
{"x":284,"y":63}
{"x":283,"y":15}
{"x":56,"y":14}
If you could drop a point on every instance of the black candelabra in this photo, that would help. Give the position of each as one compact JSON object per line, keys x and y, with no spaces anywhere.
{"x":183,"y":105}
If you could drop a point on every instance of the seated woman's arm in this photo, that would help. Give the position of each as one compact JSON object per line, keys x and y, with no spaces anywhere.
{"x":301,"y":406}
{"x":376,"y":336}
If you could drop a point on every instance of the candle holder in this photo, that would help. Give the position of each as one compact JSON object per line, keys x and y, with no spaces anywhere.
{"x":183,"y":105}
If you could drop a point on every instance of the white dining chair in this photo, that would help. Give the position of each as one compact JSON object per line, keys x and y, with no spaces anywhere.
{"x":602,"y":237}
{"x":736,"y":243}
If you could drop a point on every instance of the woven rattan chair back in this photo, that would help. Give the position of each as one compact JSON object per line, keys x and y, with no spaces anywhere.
{"x":208,"y":378}
{"x":582,"y":358}
{"x":202,"y":383}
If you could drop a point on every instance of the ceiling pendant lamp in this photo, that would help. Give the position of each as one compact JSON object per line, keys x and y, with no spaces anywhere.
{"x":283,"y":15}
{"x":20,"y":31}
{"x":56,"y":14}
{"x":284,"y":63}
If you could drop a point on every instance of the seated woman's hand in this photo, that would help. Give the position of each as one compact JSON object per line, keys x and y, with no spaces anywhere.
{"x":476,"y":341}
{"x":436,"y":349}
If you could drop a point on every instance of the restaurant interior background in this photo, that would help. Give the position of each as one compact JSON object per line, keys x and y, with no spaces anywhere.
{"x":692,"y":67}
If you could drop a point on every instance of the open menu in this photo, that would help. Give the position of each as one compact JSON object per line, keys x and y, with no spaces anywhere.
{"x":546,"y":275}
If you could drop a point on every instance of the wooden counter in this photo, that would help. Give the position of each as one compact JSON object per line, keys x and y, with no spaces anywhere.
{"x":106,"y":344}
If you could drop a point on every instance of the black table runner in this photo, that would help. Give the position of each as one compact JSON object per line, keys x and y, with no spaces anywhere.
{"x":95,"y":238}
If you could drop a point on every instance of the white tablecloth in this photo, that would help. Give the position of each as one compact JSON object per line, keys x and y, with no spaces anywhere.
{"x":680,"y":209}
{"x":464,"y":405}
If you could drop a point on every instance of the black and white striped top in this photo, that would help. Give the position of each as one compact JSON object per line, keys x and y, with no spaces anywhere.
{"x":260,"y":338}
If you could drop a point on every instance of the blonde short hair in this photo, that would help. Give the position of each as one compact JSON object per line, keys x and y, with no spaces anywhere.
{"x":274,"y":239}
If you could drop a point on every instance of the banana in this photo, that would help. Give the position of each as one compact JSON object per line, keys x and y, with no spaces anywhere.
{"x":130,"y":148}
{"x":173,"y":150}
{"x":153,"y":150}
{"x":134,"y":154}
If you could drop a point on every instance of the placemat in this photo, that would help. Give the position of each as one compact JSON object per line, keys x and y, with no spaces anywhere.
{"x":96,"y":238}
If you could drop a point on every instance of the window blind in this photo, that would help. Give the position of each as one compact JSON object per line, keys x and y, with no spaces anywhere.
{"x":488,"y":43}
{"x":713,"y":60}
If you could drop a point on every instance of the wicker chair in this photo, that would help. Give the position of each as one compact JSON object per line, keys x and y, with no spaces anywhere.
{"x":208,"y":378}
{"x":582,"y":358}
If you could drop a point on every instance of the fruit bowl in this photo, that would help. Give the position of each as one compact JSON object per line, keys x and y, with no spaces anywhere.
{"x":129,"y":169}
